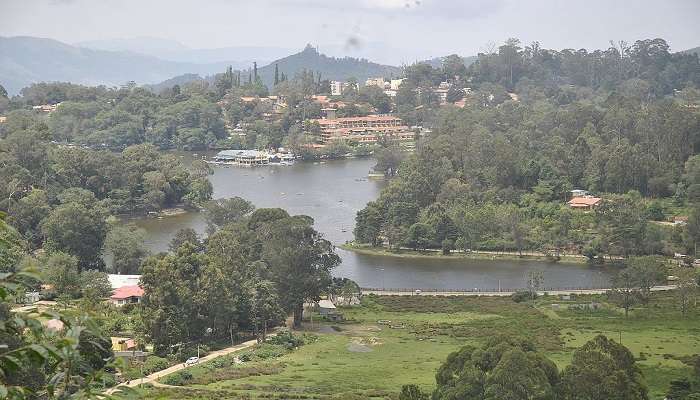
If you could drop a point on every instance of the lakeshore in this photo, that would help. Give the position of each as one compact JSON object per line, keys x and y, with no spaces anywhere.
{"x":457,"y":254}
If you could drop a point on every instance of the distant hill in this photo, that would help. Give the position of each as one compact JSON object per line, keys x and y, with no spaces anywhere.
{"x":25,"y":60}
{"x":172,"y":50}
{"x":178,"y":80}
{"x":437,"y":61}
{"x":694,"y":50}
{"x":329,"y":67}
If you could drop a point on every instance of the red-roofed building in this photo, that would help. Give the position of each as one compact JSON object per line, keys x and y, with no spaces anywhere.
{"x":366,"y":129}
{"x":126,"y":295}
{"x":584,"y":203}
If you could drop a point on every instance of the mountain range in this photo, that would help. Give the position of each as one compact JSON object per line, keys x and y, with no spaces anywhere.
{"x":25,"y":60}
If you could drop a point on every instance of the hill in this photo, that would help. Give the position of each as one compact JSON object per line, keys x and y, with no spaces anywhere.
{"x":171,"y":50}
{"x":694,"y":50}
{"x":329,"y":67}
{"x":25,"y":60}
{"x":437,"y":61}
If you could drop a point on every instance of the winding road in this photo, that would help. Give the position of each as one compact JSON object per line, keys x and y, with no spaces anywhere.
{"x":159,"y":374}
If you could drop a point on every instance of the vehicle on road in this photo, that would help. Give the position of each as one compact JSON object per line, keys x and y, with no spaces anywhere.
{"x":418,"y":291}
{"x":192,"y":361}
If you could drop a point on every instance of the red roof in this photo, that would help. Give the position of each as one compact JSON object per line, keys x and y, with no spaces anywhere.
{"x":125,"y":292}
{"x":584,"y":201}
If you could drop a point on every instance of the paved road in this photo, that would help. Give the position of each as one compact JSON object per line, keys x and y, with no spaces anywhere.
{"x":156,"y":375}
{"x":391,"y":292}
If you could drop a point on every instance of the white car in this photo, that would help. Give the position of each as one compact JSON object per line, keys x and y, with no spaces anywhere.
{"x":192,"y":361}
{"x":418,"y":292}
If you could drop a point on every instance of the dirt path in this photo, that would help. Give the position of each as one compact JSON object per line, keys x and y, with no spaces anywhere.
{"x":159,"y":374}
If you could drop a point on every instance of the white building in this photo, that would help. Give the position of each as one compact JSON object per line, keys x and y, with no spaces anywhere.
{"x":378,"y":82}
{"x":337,"y":88}
{"x":395,"y":83}
{"x":118,"y":281}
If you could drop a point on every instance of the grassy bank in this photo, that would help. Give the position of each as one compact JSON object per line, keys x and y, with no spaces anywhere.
{"x":475,"y":255}
{"x":363,"y":358}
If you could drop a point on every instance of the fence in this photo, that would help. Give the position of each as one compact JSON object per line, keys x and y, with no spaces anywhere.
{"x":482,"y":290}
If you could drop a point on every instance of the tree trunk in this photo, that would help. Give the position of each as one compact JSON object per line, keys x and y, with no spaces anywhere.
{"x":298,"y":312}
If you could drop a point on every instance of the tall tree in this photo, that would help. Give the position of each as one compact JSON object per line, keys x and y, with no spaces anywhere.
{"x":601,"y":370}
{"x":300,"y":261}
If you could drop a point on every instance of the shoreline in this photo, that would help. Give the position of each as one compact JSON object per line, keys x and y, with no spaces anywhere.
{"x":477,"y":255}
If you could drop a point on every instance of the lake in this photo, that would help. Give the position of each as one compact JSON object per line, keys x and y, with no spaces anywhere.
{"x":332,"y":192}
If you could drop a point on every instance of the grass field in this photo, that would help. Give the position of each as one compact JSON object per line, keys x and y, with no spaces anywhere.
{"x":362,"y":358}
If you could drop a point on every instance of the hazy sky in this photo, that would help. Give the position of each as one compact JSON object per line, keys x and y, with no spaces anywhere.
{"x":422,"y":28}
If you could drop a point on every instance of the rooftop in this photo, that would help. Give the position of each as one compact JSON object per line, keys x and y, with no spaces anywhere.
{"x":125,"y":292}
{"x":118,"y":281}
{"x":584,"y":201}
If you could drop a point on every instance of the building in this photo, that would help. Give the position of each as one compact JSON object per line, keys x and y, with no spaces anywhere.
{"x":337,"y":88}
{"x":394,"y":84}
{"x":326,"y":307}
{"x":3,"y":119}
{"x":126,"y":295}
{"x":118,"y":281}
{"x":578,"y":193}
{"x":47,"y":108}
{"x":246,"y":158}
{"x":585,"y":202}
{"x":680,"y":220}
{"x":364,"y":129}
{"x":378,"y":82}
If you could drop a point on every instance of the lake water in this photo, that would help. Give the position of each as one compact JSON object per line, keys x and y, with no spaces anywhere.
{"x":332,"y":192}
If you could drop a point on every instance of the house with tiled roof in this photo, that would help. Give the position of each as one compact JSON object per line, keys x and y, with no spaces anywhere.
{"x":584,"y":202}
{"x":126,"y":295}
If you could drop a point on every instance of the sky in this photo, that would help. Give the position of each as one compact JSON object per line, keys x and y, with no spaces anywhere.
{"x":396,"y":31}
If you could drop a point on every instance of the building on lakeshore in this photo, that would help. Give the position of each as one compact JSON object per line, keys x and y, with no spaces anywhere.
{"x":364,"y":129}
{"x":242,"y":157}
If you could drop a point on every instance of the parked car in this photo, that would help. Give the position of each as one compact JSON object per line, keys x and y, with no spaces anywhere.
{"x":418,"y":291}
{"x":192,"y":361}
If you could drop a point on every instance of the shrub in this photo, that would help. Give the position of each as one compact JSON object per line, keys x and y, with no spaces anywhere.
{"x":153,"y":364}
{"x":180,"y":378}
{"x":523,"y":295}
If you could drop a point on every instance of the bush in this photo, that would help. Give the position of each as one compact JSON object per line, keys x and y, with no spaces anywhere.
{"x":289,"y":340}
{"x":523,"y":295}
{"x":154,"y":364}
{"x":180,"y":378}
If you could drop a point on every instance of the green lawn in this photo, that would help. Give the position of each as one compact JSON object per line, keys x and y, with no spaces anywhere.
{"x":363,"y":359}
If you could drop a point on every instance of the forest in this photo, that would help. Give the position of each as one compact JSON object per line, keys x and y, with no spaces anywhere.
{"x":496,"y":174}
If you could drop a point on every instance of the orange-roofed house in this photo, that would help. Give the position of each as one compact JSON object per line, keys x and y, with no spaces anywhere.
{"x":585,"y":202}
{"x":126,"y":295}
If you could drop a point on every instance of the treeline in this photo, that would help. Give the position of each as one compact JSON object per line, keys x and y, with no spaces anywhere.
{"x":496,"y":173}
{"x":60,"y":197}
{"x":256,"y":267}
{"x":509,"y":368}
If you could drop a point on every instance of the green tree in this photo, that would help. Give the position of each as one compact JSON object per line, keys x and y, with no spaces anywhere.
{"x":126,"y":245}
{"x":265,"y":308}
{"x":220,"y":212}
{"x":78,"y":230}
{"x":502,"y":369}
{"x":61,"y":271}
{"x":183,"y":236}
{"x":299,"y":260}
{"x":602,"y":369}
